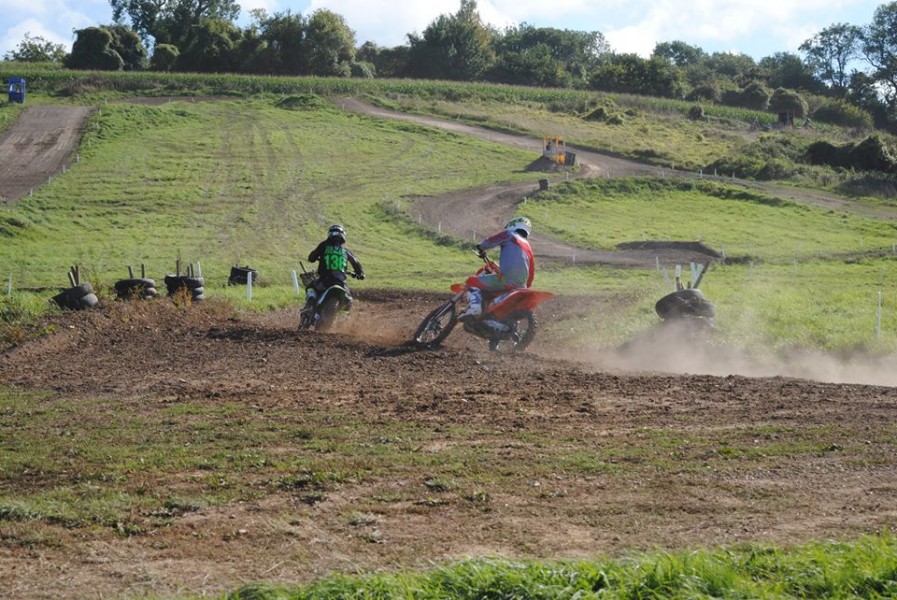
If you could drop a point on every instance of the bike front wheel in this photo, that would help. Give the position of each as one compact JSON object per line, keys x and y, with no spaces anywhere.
{"x":436,"y":326}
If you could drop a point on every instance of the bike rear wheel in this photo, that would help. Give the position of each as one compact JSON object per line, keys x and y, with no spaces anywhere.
{"x":523,"y":330}
{"x":436,"y":326}
{"x":327,"y":313}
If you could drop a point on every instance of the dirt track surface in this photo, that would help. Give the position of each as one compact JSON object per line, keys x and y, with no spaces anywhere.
{"x":37,"y":147}
{"x":635,"y":461}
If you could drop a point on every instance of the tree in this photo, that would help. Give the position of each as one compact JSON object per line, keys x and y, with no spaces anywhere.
{"x":830,"y":51}
{"x":680,"y":53}
{"x":740,"y":68}
{"x":36,"y":49}
{"x":632,"y":74}
{"x":387,"y":62}
{"x":164,"y":57}
{"x":862,"y":91}
{"x":282,"y":35}
{"x":546,"y":56}
{"x":453,"y":47}
{"x":532,"y":66}
{"x":127,"y":43}
{"x":213,"y":49}
{"x":171,"y":21}
{"x":879,"y":47}
{"x":107,"y":48}
{"x":787,"y":70}
{"x":93,"y":49}
{"x":329,"y":45}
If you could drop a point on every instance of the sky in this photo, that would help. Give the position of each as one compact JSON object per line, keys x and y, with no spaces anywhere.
{"x":758,"y":28}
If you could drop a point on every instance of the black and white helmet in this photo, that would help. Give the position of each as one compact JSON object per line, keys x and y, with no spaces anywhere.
{"x":337,"y":232}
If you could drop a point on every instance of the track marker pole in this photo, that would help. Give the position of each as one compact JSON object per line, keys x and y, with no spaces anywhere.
{"x":295,"y":282}
{"x":878,"y":319}
{"x":9,"y":285}
{"x":249,"y":286}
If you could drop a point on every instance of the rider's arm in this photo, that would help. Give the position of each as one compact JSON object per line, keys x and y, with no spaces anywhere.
{"x":316,"y":254}
{"x":494,"y":241}
{"x":356,"y":266}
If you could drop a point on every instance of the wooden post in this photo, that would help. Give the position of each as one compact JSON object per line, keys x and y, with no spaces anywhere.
{"x":130,"y":272}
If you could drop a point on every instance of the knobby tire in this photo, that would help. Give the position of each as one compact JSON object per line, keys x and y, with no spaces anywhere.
{"x":433,"y":325}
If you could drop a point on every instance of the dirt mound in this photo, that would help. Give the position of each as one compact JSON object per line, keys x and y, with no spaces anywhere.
{"x":661,"y":247}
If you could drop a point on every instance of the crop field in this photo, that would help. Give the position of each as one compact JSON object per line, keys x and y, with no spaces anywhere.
{"x":175,"y":449}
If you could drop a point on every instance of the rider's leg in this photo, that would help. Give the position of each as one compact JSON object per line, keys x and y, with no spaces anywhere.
{"x":484,"y":283}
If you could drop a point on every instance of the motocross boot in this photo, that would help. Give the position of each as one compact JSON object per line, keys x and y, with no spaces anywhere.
{"x":474,"y":307}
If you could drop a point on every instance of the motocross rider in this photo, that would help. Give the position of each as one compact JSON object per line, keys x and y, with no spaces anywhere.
{"x":516,"y":267}
{"x":331,"y":256}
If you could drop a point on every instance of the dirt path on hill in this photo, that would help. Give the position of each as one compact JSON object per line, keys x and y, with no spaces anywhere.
{"x":597,"y":164}
{"x":38,"y":146}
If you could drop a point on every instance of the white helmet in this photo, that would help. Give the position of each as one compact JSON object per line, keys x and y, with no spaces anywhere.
{"x":520,"y":225}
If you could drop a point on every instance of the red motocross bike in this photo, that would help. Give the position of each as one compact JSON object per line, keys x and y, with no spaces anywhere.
{"x":507,"y":317}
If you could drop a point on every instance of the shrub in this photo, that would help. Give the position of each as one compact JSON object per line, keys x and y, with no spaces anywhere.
{"x":755,"y":96}
{"x":604,"y":115}
{"x":845,"y":114}
{"x":164,"y":57}
{"x":788,"y":101}
{"x":824,"y":153}
{"x":696,"y":112}
{"x":871,"y":154}
{"x":707,"y":92}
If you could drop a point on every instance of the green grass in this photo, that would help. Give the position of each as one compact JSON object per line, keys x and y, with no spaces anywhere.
{"x":865,"y":568}
{"x":800,"y":277}
{"x":243,"y":183}
{"x":742,"y":224}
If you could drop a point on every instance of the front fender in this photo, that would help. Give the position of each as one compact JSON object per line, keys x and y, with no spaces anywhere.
{"x":337,"y":290}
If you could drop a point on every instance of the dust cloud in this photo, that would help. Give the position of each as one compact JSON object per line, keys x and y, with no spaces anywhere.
{"x":682,"y":348}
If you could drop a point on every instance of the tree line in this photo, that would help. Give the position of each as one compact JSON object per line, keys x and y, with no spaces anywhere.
{"x":845,"y":74}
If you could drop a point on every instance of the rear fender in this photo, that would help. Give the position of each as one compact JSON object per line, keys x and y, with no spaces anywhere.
{"x":516,"y":300}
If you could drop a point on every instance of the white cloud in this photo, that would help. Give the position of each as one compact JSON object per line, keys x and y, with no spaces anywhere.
{"x":756,"y":27}
{"x":53,"y":20}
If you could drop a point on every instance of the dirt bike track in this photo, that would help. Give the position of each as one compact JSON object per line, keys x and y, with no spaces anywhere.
{"x":37,"y":147}
{"x":670,"y":441}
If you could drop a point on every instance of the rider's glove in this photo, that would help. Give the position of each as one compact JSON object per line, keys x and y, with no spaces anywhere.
{"x":359,"y":276}
{"x":480,"y":252}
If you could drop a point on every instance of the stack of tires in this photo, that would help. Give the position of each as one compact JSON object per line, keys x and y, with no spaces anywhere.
{"x":77,"y":297}
{"x":684,"y":304}
{"x":136,"y":287}
{"x":241,"y":275}
{"x":140,"y":289}
{"x":185,"y":286}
